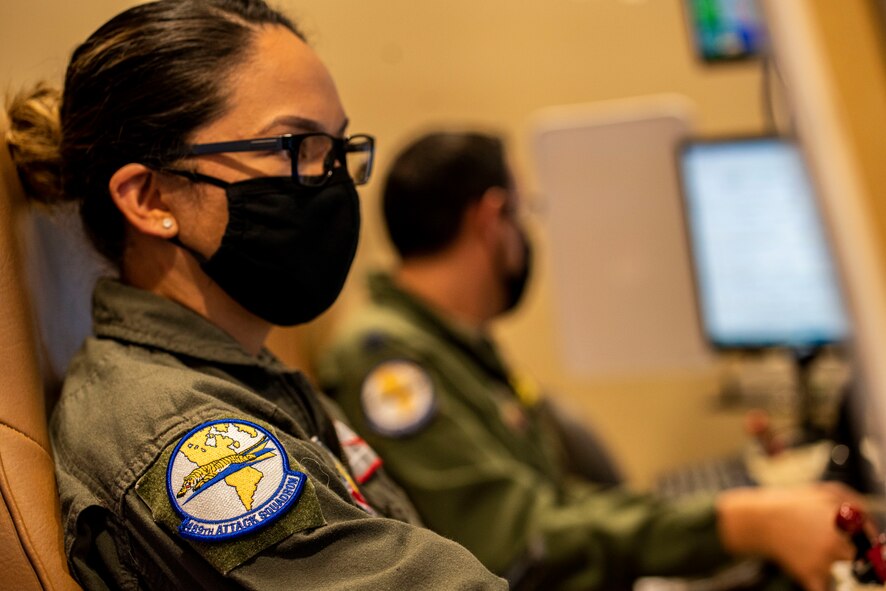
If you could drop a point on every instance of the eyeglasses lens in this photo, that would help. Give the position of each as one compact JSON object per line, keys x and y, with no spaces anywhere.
{"x":359,"y":155}
{"x":317,"y":157}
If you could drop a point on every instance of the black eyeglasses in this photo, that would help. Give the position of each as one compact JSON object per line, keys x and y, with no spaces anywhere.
{"x":313,"y":155}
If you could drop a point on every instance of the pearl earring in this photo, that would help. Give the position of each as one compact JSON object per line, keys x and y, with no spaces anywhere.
{"x":167,"y":223}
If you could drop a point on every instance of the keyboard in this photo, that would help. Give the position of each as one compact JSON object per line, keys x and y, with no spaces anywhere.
{"x":709,"y":476}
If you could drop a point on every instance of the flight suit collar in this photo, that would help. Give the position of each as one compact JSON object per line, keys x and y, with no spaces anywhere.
{"x":134,"y":315}
{"x":384,"y":291}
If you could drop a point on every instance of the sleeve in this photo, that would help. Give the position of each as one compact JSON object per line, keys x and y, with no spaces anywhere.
{"x":323,"y":541}
{"x":469,"y":487}
{"x":94,"y":557}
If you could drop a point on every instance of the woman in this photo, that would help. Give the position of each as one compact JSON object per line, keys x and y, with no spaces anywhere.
{"x":204,"y":142}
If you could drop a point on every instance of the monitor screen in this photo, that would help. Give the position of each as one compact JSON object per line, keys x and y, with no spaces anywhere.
{"x":725,"y":29}
{"x":763,"y":270}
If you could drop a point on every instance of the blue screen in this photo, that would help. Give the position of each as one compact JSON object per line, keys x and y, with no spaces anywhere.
{"x":763,"y":269}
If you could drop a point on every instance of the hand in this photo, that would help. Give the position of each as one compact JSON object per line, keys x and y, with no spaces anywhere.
{"x":794,"y":527}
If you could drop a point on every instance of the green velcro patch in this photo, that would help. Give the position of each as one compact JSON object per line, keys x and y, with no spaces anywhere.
{"x":244,"y":535}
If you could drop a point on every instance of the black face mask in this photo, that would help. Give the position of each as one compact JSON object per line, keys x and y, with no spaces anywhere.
{"x":515,"y":282}
{"x":287,"y":248}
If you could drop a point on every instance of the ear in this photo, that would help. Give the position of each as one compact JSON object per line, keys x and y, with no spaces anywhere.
{"x":486,"y":215}
{"x":136,"y":192}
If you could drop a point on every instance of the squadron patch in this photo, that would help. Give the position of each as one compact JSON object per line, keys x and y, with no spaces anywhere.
{"x":397,"y":398}
{"x":229,"y":477}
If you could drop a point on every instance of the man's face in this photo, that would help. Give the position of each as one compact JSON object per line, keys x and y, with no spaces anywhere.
{"x":514,"y":254}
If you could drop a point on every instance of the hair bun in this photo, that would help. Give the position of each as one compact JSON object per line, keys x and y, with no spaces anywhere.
{"x":34,"y":138}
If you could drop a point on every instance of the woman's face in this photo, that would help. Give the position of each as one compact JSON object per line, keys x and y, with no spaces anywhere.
{"x":281,"y":89}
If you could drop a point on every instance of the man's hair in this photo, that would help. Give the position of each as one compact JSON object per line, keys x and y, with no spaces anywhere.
{"x":431,"y":184}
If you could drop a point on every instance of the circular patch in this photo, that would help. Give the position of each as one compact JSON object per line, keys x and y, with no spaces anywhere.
{"x":397,"y":398}
{"x":229,"y":477}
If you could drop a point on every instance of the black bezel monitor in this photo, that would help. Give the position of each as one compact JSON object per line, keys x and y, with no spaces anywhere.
{"x":764,"y":275}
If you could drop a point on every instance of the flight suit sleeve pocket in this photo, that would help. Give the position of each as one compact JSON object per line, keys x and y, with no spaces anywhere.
{"x":230,"y":490}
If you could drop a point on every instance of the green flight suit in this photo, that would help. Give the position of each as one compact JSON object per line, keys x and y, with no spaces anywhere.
{"x":498,"y":479}
{"x":153,"y":373}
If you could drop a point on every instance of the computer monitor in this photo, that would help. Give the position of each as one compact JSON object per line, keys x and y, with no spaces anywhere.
{"x":725,"y":29}
{"x":763,"y":270}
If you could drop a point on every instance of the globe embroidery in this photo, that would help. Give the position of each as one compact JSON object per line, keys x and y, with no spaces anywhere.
{"x":229,"y":477}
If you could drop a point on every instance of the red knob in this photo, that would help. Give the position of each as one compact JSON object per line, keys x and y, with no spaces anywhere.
{"x":850,"y":518}
{"x":869,"y":565}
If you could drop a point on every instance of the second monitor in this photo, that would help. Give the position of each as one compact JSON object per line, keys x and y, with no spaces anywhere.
{"x":763,"y":269}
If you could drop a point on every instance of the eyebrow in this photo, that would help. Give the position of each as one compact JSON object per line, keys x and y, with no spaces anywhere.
{"x":294,"y":121}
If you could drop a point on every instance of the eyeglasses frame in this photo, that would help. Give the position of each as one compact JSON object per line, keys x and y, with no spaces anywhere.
{"x":291,"y":143}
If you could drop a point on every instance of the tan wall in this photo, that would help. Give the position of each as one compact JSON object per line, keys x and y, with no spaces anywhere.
{"x":403,"y":65}
{"x":856,"y":53}
{"x":413,"y":64}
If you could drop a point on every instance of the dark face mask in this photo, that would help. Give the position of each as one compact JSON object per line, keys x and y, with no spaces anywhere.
{"x":287,"y":248}
{"x":515,"y":282}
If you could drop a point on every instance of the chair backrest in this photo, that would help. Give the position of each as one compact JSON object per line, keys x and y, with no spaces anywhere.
{"x":31,"y":547}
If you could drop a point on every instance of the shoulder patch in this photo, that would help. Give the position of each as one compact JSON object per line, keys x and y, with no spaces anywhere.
{"x":347,"y":479}
{"x":229,"y":477}
{"x":283,"y":512}
{"x":362,"y":458}
{"x":397,"y":398}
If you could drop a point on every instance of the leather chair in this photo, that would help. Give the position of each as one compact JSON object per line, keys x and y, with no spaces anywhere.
{"x":31,"y":547}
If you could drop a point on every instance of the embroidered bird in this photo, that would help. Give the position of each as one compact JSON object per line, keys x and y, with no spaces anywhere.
{"x":216,"y":470}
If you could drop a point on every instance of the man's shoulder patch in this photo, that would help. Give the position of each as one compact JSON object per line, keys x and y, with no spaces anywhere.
{"x":229,"y":487}
{"x":229,"y":477}
{"x":397,"y":398}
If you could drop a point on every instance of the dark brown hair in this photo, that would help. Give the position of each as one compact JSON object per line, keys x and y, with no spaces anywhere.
{"x":431,"y":184}
{"x":135,"y":91}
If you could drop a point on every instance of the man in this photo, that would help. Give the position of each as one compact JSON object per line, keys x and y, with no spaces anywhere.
{"x":482,"y":456}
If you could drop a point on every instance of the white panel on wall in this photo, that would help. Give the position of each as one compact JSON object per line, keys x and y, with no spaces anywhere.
{"x":622,"y":280}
